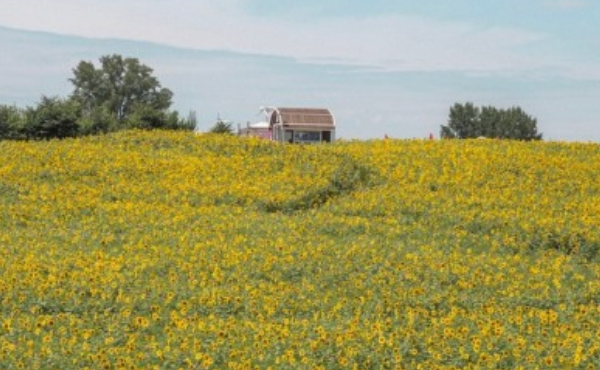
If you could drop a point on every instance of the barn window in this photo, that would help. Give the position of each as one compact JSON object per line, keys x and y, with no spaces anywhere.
{"x":307,"y":136}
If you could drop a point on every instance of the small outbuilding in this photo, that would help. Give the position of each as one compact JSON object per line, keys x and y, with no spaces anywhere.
{"x":301,"y":125}
{"x":259,"y":129}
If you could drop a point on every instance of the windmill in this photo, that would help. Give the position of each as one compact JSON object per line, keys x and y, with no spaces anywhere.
{"x":260,"y":129}
{"x":266,"y":111}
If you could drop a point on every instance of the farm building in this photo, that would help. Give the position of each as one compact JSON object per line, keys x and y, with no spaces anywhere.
{"x":293,"y":125}
{"x":301,"y":125}
{"x":259,"y":129}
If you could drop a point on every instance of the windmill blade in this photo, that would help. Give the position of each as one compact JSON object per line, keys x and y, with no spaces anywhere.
{"x":266,"y":111}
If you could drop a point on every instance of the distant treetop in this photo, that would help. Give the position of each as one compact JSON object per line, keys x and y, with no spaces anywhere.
{"x":467,"y":121}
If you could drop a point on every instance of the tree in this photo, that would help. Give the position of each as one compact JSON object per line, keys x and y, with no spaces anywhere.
{"x":120,"y":85}
{"x":467,"y":121}
{"x":519,"y":125}
{"x":190,"y":123}
{"x":53,"y":117}
{"x":120,"y":94}
{"x":463,"y":120}
{"x":98,"y":121}
{"x":11,"y":122}
{"x":221,"y":127}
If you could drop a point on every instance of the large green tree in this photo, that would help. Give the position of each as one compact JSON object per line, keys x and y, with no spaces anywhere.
{"x":467,"y":121}
{"x":120,"y":94}
{"x":119,"y":86}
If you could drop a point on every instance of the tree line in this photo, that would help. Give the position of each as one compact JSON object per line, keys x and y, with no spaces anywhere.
{"x":466,"y":121}
{"x":121,"y":93}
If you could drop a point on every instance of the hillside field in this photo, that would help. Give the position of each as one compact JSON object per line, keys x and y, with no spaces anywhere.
{"x":163,"y":250}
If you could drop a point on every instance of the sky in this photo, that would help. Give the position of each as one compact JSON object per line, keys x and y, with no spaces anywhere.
{"x":384,"y":67}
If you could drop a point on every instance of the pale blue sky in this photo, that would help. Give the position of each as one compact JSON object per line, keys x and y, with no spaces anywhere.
{"x":384,"y":66}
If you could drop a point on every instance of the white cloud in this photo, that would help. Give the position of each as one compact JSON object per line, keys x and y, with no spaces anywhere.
{"x":388,"y":42}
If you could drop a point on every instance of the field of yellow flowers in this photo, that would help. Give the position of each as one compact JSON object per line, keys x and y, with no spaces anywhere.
{"x":162,"y":250}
